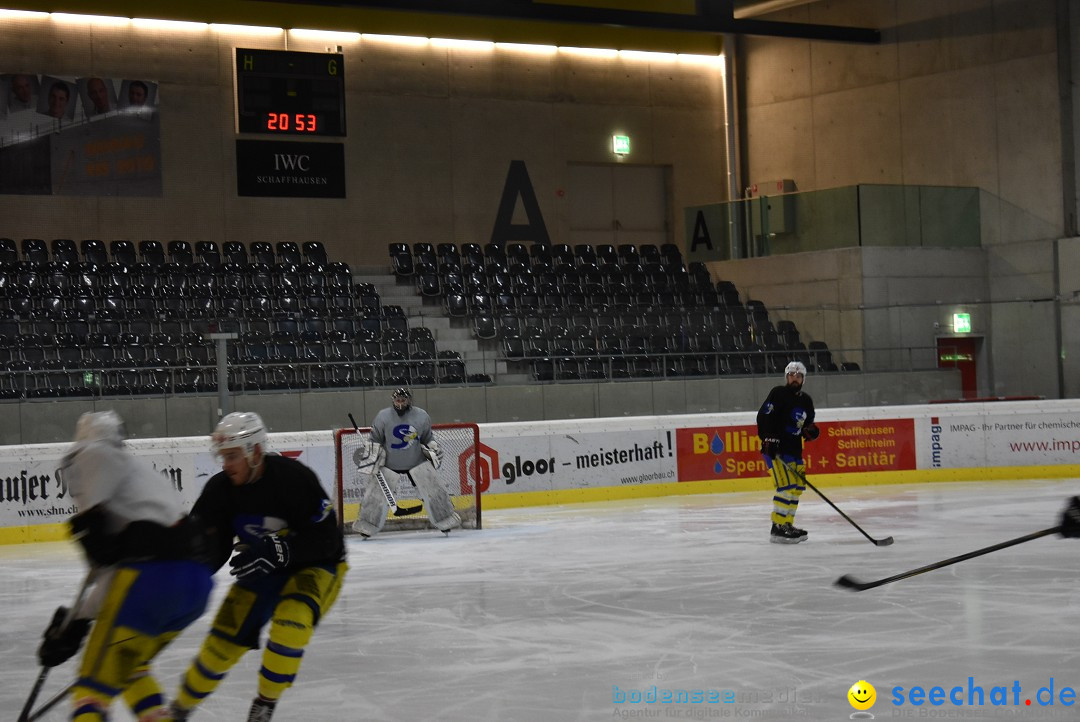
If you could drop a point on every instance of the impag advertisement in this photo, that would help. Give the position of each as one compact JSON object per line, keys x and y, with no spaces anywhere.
{"x":1015,"y":439}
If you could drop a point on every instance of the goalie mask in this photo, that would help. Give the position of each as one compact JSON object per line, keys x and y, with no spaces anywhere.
{"x":100,"y":426}
{"x":402,"y":400}
{"x":239,"y":430}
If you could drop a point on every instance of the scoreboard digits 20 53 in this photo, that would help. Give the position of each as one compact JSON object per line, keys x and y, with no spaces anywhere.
{"x":281,"y":92}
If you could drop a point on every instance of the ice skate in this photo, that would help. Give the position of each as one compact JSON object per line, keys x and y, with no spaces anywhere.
{"x":261,"y":710}
{"x":178,"y":713}
{"x":785,"y":534}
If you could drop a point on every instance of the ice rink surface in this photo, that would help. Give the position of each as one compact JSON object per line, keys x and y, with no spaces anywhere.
{"x":551,"y":613}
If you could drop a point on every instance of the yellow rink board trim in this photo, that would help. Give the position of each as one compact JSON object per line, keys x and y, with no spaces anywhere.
{"x":58,"y":532}
{"x":827,"y":481}
{"x":36,"y":533}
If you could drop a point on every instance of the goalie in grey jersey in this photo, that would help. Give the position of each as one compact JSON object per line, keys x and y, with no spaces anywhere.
{"x":402,"y":445}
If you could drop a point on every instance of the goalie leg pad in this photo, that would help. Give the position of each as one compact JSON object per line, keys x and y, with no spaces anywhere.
{"x":373,"y":506}
{"x":440,"y":509}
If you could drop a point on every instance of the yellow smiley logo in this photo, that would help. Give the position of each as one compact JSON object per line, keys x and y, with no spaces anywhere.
{"x":862,"y":695}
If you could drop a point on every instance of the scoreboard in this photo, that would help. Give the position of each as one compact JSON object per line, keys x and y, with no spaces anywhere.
{"x":281,"y":92}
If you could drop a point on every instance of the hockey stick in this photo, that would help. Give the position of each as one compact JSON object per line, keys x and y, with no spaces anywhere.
{"x":879,"y":542}
{"x":25,"y":715}
{"x":50,"y":703}
{"x":394,"y":508}
{"x":849,"y":582}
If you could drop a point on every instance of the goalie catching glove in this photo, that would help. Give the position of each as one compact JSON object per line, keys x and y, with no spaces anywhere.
{"x":61,"y":642}
{"x":267,"y":554}
{"x":433,"y":452}
{"x":810,"y":431}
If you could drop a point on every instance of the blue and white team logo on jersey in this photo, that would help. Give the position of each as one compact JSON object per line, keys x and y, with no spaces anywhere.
{"x":325,"y":510}
{"x":405,"y":435}
{"x":798,"y":418}
{"x":250,"y":527}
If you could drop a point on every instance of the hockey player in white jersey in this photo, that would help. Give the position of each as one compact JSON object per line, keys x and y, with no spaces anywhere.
{"x":401,"y":444}
{"x":149,"y":576}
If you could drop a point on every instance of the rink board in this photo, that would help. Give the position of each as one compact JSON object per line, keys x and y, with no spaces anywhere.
{"x":554,"y":462}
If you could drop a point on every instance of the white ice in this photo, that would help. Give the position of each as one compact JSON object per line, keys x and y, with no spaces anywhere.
{"x":543,"y":613}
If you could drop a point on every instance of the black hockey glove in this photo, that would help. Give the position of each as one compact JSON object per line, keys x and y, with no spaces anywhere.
{"x":1070,"y":519}
{"x":269,"y":554}
{"x":61,"y":643}
{"x":810,"y":431}
{"x":770,"y":447}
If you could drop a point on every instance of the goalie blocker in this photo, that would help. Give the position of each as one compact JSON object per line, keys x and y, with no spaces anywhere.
{"x":459,"y":473}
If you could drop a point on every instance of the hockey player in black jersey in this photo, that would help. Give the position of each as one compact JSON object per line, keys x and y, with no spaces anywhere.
{"x":289,"y":565}
{"x":784,"y":420}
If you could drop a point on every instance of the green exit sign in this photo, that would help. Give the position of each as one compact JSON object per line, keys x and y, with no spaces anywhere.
{"x":620,"y":144}
{"x":961,"y":322}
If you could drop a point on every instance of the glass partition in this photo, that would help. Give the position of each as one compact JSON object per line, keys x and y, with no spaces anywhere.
{"x":851,"y":216}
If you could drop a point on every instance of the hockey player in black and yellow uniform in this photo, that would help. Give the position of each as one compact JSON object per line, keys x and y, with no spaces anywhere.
{"x":784,"y":420}
{"x":289,"y":565}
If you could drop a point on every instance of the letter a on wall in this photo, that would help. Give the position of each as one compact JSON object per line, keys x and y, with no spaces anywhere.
{"x":700,"y":235}
{"x":517,"y":186}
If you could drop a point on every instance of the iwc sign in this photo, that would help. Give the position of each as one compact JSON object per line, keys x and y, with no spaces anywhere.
{"x":290,"y":169}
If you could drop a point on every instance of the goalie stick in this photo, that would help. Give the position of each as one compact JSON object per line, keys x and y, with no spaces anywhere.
{"x":849,"y":582}
{"x":394,"y":508}
{"x":879,"y":542}
{"x":25,"y":715}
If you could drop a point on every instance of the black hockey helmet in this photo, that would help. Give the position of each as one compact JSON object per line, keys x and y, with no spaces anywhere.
{"x":402,"y":399}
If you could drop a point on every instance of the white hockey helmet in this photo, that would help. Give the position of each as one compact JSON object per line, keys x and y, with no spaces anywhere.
{"x":100,"y":426}
{"x":795,"y":367}
{"x":239,"y":430}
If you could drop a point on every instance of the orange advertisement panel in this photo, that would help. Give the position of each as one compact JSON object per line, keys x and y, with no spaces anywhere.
{"x":734,"y":452}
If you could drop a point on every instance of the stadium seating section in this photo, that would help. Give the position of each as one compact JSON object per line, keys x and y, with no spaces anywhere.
{"x":604,"y":312}
{"x":93,"y":318}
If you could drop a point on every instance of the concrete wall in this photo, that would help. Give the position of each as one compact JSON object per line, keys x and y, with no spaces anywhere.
{"x":880,"y":307}
{"x":431,"y":134}
{"x":957,"y":94}
{"x":33,"y":422}
{"x":886,"y":307}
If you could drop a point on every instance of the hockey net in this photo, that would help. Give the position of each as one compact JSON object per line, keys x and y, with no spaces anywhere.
{"x":458,"y":473}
